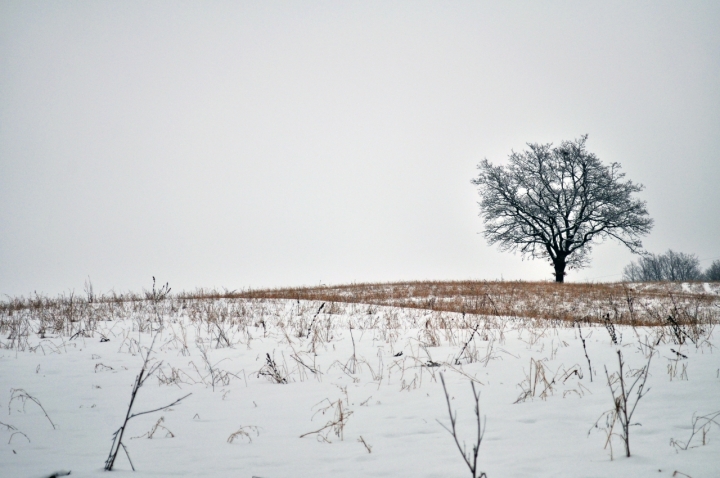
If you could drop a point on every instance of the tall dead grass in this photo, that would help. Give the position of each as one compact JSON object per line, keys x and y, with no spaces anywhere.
{"x":690,"y":306}
{"x":623,"y":303}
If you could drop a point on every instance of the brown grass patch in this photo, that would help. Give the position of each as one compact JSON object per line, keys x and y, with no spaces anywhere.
{"x":623,"y":303}
{"x":692,"y":304}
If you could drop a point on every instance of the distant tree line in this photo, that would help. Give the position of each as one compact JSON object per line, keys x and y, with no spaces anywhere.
{"x":671,"y":266}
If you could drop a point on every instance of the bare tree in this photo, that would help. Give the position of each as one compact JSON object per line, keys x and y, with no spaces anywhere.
{"x":671,"y":266}
{"x":554,"y":203}
{"x":713,"y":272}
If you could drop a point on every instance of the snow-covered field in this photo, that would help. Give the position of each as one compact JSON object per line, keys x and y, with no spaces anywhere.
{"x":372,"y":371}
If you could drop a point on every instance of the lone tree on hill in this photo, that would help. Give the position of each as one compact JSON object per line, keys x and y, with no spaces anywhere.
{"x":556,"y":202}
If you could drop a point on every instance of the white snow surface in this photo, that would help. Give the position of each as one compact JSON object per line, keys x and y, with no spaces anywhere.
{"x":396,"y":402}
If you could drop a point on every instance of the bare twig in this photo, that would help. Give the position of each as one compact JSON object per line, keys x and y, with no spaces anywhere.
{"x":128,"y":456}
{"x":161,"y":408}
{"x":367,"y":447}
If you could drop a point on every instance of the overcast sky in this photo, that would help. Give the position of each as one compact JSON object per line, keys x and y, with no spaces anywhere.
{"x":251,"y":144}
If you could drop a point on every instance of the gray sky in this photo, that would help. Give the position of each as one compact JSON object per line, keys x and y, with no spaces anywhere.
{"x":238,"y":144}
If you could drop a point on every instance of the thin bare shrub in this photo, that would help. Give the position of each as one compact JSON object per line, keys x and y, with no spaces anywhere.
{"x":146,"y":371}
{"x":470,"y":458}
{"x":624,"y":402}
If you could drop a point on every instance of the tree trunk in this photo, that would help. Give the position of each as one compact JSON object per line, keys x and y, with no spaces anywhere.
{"x":559,"y":270}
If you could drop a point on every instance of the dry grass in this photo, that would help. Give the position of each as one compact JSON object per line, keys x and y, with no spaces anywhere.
{"x":622,"y":303}
{"x":684,"y":309}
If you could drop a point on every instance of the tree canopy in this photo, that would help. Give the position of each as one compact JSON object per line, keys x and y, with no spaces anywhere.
{"x":554,"y":203}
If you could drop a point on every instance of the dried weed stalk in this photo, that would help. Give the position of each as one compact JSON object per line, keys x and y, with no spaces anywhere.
{"x":365,"y":444}
{"x":244,"y":432}
{"x":336,"y":425}
{"x":538,"y":382}
{"x":701,"y":425}
{"x":151,"y":433}
{"x":22,"y":396}
{"x":272,"y":371}
{"x":585,"y":350}
{"x":146,"y":372}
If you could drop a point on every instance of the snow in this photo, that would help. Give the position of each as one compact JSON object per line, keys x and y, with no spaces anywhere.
{"x":396,"y":401}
